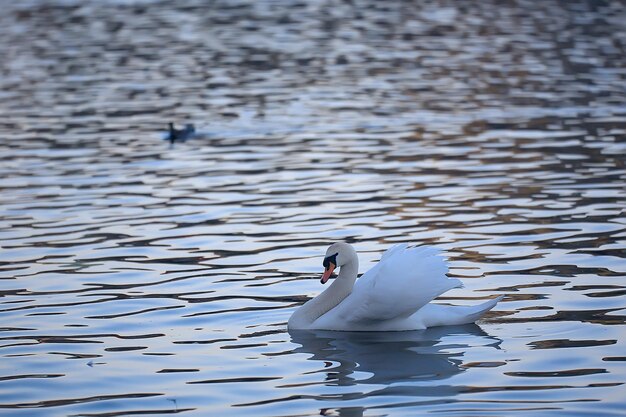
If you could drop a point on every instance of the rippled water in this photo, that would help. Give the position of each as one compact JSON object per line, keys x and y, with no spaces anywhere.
{"x":144,"y":278}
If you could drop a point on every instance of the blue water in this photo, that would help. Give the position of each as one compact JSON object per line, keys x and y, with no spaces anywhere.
{"x":143,"y":277}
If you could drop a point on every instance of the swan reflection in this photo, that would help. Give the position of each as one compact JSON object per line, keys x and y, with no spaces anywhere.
{"x":390,"y":357}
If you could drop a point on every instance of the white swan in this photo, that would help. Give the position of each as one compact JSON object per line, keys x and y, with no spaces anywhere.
{"x":393,"y":295}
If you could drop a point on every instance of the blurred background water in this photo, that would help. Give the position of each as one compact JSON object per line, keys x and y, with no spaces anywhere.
{"x":143,"y":278}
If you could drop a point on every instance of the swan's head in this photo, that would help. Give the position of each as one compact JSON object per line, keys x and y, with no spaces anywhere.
{"x":338,"y":254}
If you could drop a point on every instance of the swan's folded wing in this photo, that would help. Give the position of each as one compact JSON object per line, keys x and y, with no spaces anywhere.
{"x":402,"y":282}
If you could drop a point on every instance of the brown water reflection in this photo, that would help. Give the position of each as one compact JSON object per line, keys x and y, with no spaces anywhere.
{"x":139,"y":277}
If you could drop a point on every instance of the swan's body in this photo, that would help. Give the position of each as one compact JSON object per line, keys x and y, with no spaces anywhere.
{"x":394,"y":295}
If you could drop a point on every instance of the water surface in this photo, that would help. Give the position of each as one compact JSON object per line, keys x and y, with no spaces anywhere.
{"x":143,"y":278}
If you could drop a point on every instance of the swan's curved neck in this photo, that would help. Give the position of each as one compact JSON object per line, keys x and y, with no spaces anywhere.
{"x":330,"y":298}
{"x":338,"y":290}
{"x":346,"y":277}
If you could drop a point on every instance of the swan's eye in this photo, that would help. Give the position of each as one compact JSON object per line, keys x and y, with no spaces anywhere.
{"x":330,"y":259}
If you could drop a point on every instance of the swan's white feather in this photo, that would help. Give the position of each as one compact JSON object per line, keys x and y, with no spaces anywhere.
{"x":390,"y":294}
{"x":432,"y":315}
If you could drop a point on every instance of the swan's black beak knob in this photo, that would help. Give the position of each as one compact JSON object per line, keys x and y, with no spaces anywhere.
{"x":330,"y":263}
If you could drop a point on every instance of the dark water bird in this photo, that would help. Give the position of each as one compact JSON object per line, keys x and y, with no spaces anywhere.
{"x":180,"y":135}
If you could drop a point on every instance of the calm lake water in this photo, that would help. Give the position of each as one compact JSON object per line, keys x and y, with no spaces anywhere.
{"x":143,"y":278}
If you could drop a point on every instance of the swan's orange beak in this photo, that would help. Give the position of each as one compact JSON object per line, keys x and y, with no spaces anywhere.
{"x":327,"y":273}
